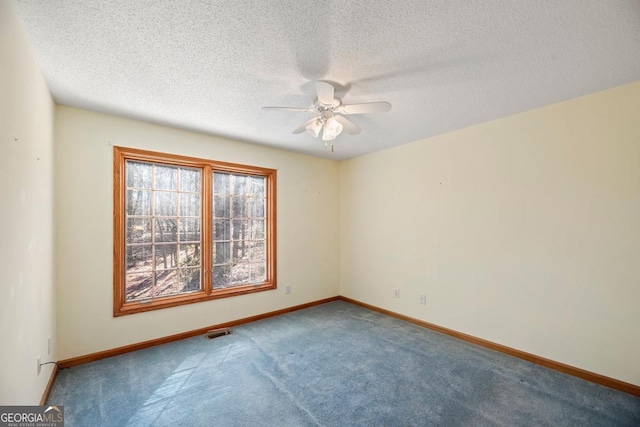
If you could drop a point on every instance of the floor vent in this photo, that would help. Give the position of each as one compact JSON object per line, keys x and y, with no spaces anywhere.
{"x":215,"y":333}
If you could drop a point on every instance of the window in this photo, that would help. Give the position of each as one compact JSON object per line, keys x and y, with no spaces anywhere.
{"x":238,"y":229}
{"x":189,"y":230}
{"x":162,"y":233}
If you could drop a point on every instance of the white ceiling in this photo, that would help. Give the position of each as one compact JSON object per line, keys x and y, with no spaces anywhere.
{"x":210,"y":66}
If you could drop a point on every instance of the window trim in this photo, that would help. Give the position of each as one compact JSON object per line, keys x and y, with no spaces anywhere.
{"x":120,"y":156}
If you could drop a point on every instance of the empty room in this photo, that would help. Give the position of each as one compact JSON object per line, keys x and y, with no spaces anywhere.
{"x":296,"y":213}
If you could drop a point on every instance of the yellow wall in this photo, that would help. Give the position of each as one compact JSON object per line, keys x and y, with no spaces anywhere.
{"x":27,"y":298}
{"x":308,"y":251}
{"x":524,"y":231}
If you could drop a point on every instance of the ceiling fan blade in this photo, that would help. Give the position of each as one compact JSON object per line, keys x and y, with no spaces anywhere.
{"x":368,"y":107}
{"x":303,"y":127}
{"x":325,"y":92}
{"x":349,"y":127}
{"x":288,"y":109}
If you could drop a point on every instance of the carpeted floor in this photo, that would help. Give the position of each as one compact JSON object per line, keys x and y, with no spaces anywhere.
{"x":335,"y":364}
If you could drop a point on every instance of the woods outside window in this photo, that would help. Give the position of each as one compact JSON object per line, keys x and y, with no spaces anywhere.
{"x":188,"y":230}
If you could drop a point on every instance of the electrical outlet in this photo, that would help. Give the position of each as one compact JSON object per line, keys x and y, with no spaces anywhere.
{"x":287,"y":289}
{"x":39,"y":365}
{"x":49,"y":345}
{"x":396,"y":293}
{"x":423,"y":299}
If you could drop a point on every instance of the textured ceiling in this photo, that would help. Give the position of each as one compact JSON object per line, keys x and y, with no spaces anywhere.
{"x":210,"y":66}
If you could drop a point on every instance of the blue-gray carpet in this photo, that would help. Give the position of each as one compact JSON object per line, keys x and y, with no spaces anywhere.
{"x":336,"y":364}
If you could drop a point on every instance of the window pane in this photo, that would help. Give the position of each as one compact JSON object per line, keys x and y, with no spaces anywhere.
{"x":239,"y":207}
{"x":166,"y":230}
{"x":221,"y":207}
{"x":257,"y":251}
{"x":240,"y":229}
{"x":221,"y":276}
{"x":138,"y":174}
{"x":257,"y":229}
{"x":257,"y":208}
{"x":166,"y":283}
{"x":161,"y":262}
{"x":139,"y":258}
{"x":258,"y":186}
{"x":189,"y":255}
{"x":165,"y":203}
{"x":221,"y":252}
{"x":240,"y":185}
{"x":166,"y":256}
{"x":222,"y":229}
{"x":189,"y":204}
{"x":190,"y":180}
{"x":138,"y":286}
{"x":166,"y":178}
{"x":240,"y":250}
{"x":138,"y":202}
{"x":189,"y":229}
{"x":258,"y":272}
{"x":240,"y":273}
{"x":190,"y":280}
{"x":138,"y":230}
{"x":221,"y":183}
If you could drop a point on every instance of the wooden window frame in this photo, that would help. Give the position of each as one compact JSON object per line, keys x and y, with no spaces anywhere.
{"x":120,"y":156}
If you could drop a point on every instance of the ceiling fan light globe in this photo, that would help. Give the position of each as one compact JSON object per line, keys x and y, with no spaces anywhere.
{"x":326,"y":136}
{"x":332,"y":128}
{"x":314,"y":127}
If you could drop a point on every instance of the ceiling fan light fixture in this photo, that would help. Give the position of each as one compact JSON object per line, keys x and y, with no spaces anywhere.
{"x":332,"y":128}
{"x":331,"y":112}
{"x":314,"y":127}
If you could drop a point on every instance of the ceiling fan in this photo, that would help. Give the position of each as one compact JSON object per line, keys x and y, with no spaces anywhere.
{"x":331,"y":112}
